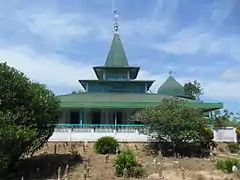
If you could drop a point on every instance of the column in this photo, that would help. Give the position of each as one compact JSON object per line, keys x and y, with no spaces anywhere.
{"x":67,"y":116}
{"x":128,"y":116}
{"x":80,"y":117}
{"x":103,"y":121}
{"x":128,"y":75}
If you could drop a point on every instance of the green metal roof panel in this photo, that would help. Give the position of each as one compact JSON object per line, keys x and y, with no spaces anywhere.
{"x":171,"y":87}
{"x":206,"y":106}
{"x":116,"y":56}
{"x":121,"y":100}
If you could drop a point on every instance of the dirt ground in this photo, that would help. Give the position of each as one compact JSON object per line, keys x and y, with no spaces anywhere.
{"x":56,"y":159}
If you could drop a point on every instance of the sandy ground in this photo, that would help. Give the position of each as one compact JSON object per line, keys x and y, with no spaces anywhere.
{"x":54,"y":159}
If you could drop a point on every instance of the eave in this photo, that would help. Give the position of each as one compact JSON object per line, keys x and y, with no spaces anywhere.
{"x":204,"y":106}
{"x":84,"y":82}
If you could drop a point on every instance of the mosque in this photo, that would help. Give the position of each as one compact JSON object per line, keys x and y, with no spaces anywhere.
{"x":111,"y":99}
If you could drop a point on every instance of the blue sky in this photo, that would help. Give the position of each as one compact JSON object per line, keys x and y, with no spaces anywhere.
{"x":57,"y":42}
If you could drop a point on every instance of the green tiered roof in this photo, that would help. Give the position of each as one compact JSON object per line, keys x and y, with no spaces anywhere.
{"x":124,"y":100}
{"x":116,"y":56}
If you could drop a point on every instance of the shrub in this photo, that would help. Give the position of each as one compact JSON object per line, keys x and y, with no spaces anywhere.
{"x":227,"y":164}
{"x":106,"y":145}
{"x":233,"y":147}
{"x":126,"y":164}
{"x":238,"y":130}
{"x":28,"y":112}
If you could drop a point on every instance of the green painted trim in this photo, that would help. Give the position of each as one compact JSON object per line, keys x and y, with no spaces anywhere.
{"x":136,"y":105}
{"x":107,"y":67}
{"x":115,"y":81}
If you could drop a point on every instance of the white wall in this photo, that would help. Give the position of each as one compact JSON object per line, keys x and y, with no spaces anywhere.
{"x":227,"y":134}
{"x":68,"y":134}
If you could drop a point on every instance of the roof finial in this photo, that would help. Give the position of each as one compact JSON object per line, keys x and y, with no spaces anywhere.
{"x":170,"y":72}
{"x":115,"y":24}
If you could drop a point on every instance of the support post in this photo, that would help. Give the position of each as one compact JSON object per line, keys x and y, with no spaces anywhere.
{"x":81,"y":117}
{"x":115,"y":121}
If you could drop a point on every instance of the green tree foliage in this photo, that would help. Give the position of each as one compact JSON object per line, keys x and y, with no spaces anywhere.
{"x":193,"y":90}
{"x":226,"y":119}
{"x":28,"y":112}
{"x":106,"y":145}
{"x":174,"y":121}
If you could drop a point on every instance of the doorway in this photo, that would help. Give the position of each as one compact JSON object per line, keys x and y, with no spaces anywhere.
{"x":96,"y":117}
{"x":119,"y":116}
{"x":74,"y":117}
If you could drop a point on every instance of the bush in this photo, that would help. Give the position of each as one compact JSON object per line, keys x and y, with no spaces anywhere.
{"x":28,"y":112}
{"x":233,"y":147}
{"x":106,"y":145}
{"x":227,"y":164}
{"x":126,"y":165}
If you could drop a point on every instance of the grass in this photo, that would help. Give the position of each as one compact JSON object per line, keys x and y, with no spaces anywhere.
{"x":56,"y":159}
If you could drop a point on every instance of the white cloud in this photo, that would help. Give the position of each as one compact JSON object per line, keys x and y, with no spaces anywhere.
{"x":166,"y":8}
{"x":58,"y":27}
{"x":140,"y":27}
{"x":222,"y":90}
{"x":183,"y":44}
{"x":221,"y":10}
{"x":53,"y":70}
{"x":231,"y":74}
{"x":62,"y":27}
{"x":193,"y":40}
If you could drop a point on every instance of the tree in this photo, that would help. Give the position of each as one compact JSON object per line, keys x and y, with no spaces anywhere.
{"x":193,"y":90}
{"x":226,"y":119}
{"x":174,"y":121}
{"x":28,"y":112}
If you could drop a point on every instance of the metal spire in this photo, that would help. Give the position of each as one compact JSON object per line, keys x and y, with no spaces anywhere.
{"x":170,"y":72}
{"x":115,"y":24}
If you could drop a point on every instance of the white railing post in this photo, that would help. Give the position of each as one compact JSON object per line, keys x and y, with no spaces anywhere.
{"x":69,"y":134}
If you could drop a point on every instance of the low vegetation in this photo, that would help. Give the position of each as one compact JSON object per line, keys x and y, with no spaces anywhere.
{"x":234,"y":147}
{"x":78,"y":160}
{"x":226,"y":165}
{"x":106,"y":145}
{"x":126,"y":165}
